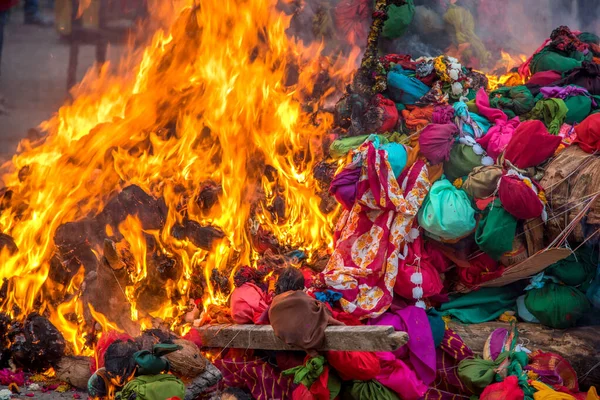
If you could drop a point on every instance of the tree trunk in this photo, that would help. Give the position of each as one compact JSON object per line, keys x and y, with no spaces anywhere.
{"x":580,"y":346}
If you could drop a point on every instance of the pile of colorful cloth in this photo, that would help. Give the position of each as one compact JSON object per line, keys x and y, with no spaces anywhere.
{"x":441,"y":188}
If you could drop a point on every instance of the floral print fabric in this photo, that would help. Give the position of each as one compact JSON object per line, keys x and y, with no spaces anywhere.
{"x":370,"y":237}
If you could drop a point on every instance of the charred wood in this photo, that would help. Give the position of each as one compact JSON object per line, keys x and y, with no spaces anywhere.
{"x":118,"y":255}
{"x":133,"y":201}
{"x":204,"y":237}
{"x":208,"y":195}
{"x":210,"y":377}
{"x":36,"y":344}
{"x":7,"y":242}
{"x":4,"y":342}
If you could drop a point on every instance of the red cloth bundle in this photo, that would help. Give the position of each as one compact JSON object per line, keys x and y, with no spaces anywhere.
{"x":389,"y":118}
{"x":531,"y":145}
{"x":106,"y":339}
{"x":417,"y":259}
{"x":354,"y":365}
{"x":588,"y":134}
{"x":519,"y":198}
{"x":480,"y":269}
{"x":508,"y":389}
{"x":248,"y":303}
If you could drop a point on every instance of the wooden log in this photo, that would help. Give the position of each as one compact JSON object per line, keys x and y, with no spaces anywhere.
{"x":210,"y":377}
{"x":357,"y":338}
{"x":75,"y":370}
{"x":580,"y":346}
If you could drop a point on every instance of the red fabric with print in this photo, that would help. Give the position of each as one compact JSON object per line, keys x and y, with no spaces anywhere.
{"x":364,"y":264}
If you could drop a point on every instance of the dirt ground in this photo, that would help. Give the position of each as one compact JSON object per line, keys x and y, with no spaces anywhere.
{"x":33,"y":77}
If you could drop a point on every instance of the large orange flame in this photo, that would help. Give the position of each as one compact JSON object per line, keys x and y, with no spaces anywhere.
{"x":503,"y":74}
{"x":207,"y":101}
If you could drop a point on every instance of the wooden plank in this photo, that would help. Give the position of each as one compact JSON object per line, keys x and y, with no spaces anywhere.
{"x":580,"y":346}
{"x":531,"y":266}
{"x":356,"y":338}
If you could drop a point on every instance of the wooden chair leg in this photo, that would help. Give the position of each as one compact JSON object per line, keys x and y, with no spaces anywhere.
{"x":72,"y":69}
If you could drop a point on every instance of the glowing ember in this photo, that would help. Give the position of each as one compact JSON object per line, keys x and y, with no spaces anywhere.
{"x":207,"y":102}
{"x":502,"y":73}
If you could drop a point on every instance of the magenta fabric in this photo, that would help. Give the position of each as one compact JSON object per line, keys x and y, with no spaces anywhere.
{"x":436,"y":141}
{"x":519,"y":199}
{"x":248,"y":303}
{"x":557,"y":92}
{"x":398,"y":376}
{"x":409,"y":370}
{"x":364,"y":263}
{"x":442,"y":114}
{"x":256,"y":376}
{"x":544,"y":78}
{"x":499,"y":135}
{"x":420,"y":349}
{"x":343,"y":187}
{"x":497,"y":341}
{"x":531,"y":145}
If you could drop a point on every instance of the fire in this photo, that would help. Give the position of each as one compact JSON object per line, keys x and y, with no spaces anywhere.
{"x":209,"y":99}
{"x":503,"y":73}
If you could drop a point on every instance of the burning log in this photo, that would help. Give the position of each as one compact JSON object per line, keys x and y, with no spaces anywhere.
{"x":580,"y":346}
{"x":74,"y":247}
{"x":36,"y":344}
{"x":356,"y":338}
{"x":75,"y":370}
{"x":203,"y":237}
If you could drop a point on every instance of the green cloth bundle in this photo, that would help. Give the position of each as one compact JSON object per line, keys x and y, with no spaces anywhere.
{"x":308,"y":373}
{"x":513,"y":100}
{"x":549,"y":60}
{"x":339,"y":148}
{"x":557,"y":306}
{"x":483,"y":305}
{"x":579,"y":107}
{"x":477,"y":373}
{"x":552,"y":112}
{"x":577,"y":269}
{"x":496,"y":230}
{"x":399,"y":19}
{"x":369,"y":390}
{"x":447,"y":212}
{"x":152,"y":363}
{"x":461,"y":162}
{"x":153,"y":387}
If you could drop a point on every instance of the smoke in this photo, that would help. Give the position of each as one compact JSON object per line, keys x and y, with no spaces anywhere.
{"x":515,"y":26}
